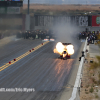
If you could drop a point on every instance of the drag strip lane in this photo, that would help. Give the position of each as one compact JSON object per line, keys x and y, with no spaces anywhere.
{"x":20,"y":57}
{"x":24,"y":62}
{"x":40,"y":72}
{"x":15,"y":49}
{"x":43,"y":72}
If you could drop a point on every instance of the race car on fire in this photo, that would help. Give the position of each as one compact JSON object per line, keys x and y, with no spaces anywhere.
{"x":65,"y":50}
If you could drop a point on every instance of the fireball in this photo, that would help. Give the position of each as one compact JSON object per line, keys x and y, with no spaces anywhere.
{"x":70,"y":49}
{"x":59,"y":47}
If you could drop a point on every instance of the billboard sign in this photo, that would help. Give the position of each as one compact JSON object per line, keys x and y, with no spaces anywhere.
{"x":11,"y":3}
{"x":13,"y":10}
{"x":11,"y":0}
{"x":48,"y":20}
{"x":96,"y":21}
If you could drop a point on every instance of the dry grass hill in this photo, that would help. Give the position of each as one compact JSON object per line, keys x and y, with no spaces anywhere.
{"x":63,"y":7}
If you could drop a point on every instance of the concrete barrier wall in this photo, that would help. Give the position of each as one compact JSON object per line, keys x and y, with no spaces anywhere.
{"x":75,"y":94}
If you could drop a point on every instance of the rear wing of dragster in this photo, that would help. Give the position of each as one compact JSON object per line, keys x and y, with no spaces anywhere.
{"x":66,"y":43}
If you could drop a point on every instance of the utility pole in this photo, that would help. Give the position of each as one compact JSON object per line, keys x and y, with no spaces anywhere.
{"x":28,"y":6}
{"x":27,"y":22}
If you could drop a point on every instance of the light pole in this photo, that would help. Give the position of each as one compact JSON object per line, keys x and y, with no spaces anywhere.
{"x":28,"y":6}
{"x":27,"y":22}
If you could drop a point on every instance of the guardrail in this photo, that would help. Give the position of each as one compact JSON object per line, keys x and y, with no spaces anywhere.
{"x":79,"y":75}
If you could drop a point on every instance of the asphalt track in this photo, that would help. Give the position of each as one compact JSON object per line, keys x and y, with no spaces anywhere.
{"x":39,"y":70}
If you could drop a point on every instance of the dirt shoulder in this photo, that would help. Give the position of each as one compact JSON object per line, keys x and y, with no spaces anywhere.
{"x":90,"y":86}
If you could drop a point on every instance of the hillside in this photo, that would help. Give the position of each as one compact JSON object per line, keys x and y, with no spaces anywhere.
{"x":63,"y":7}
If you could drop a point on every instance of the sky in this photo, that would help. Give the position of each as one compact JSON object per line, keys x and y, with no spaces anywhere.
{"x":63,"y":1}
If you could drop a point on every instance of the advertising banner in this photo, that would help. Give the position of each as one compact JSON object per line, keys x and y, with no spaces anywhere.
{"x":9,"y":3}
{"x":96,"y":21}
{"x":56,"y":20}
{"x":13,"y":10}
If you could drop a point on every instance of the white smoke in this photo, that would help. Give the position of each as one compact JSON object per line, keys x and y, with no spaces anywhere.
{"x":67,"y":33}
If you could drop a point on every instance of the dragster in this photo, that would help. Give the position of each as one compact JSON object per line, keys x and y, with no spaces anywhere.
{"x":65,"y":50}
